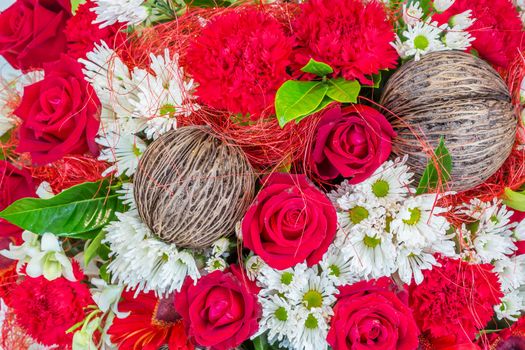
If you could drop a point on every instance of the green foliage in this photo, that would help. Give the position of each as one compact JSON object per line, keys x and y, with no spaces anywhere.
{"x":298,"y":99}
{"x":432,"y":177}
{"x":75,"y":4}
{"x":344,"y":91}
{"x":320,"y":69}
{"x":514,"y":200}
{"x":94,"y":246}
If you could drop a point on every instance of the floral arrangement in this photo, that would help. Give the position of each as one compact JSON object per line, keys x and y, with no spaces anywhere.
{"x":232,"y":175}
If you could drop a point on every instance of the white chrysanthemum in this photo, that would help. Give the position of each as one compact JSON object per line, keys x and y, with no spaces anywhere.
{"x":220,"y":247}
{"x":462,"y":21}
{"x":278,"y":319}
{"x":411,"y":263}
{"x":511,"y":307}
{"x":164,"y":96}
{"x":336,"y":268}
{"x":491,"y":247}
{"x":216,"y":263}
{"x":127,"y":195}
{"x":253,"y":267}
{"x":282,"y":281}
{"x":511,"y":272}
{"x":412,"y":13}
{"x":458,"y":40}
{"x":316,"y":292}
{"x":495,"y":219}
{"x":417,"y":224}
{"x":124,"y":150}
{"x":141,"y":261}
{"x":519,"y":231}
{"x":420,"y":39}
{"x":311,"y":331}
{"x":123,"y":11}
{"x":442,"y":5}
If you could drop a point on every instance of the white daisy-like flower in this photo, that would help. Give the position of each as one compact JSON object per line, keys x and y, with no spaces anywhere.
{"x":336,"y":268}
{"x":123,"y":11}
{"x":127,"y":195}
{"x":278,"y":319}
{"x":417,"y":223}
{"x":124,"y":150}
{"x":519,"y":231}
{"x":421,"y":39}
{"x":458,"y":40}
{"x":511,"y":307}
{"x":412,"y":262}
{"x":282,"y":281}
{"x":220,"y":247}
{"x":216,"y":263}
{"x":311,"y":331}
{"x":495,"y":219}
{"x":253,"y":267}
{"x":511,"y":272}
{"x":144,"y":263}
{"x":164,"y":96}
{"x":491,"y":247}
{"x":462,"y":21}
{"x":442,"y":5}
{"x":412,"y":13}
{"x":316,"y":292}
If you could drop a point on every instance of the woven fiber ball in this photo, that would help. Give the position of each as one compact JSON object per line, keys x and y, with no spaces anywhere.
{"x":457,"y":96}
{"x":191,"y":188}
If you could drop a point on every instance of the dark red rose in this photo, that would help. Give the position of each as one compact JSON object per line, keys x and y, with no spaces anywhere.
{"x":369,"y":315}
{"x":221,"y":310}
{"x":519,"y":218}
{"x":59,"y":114}
{"x":351,"y":142}
{"x":32,"y":32}
{"x":291,"y":221}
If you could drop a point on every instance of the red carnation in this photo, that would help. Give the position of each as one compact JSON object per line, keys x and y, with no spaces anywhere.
{"x":239,"y":61}
{"x":369,"y":315}
{"x":497,"y":29}
{"x":151,"y":323}
{"x":456,"y":299}
{"x":221,"y":310}
{"x":352,"y":36}
{"x":47,"y":309}
{"x":291,"y":221}
{"x":82,"y":35}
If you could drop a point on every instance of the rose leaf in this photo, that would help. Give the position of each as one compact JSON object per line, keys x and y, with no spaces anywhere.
{"x":296,"y":99}
{"x":344,"y":91}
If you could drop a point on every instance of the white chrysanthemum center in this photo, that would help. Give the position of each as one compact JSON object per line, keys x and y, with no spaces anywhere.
{"x":287,"y":278}
{"x":358,"y":214}
{"x":415,"y":217}
{"x":281,"y":314}
{"x":312,"y":299}
{"x":381,"y":188}
{"x":421,"y":42}
{"x":311,"y":322}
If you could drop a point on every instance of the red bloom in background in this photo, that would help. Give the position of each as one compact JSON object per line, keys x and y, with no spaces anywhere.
{"x":352,"y":36}
{"x":82,"y":35}
{"x":32,"y":32}
{"x":59,"y":114}
{"x":239,"y":61}
{"x":47,"y":309}
{"x":291,"y":221}
{"x":512,"y":338}
{"x":369,"y":315}
{"x":351,"y":142}
{"x":221,"y":310}
{"x":455,"y":300}
{"x":497,"y":29}
{"x":152,"y":322}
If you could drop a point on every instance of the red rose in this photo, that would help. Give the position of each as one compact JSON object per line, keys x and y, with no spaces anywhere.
{"x":371,"y":316}
{"x":519,"y":218}
{"x":351,"y":142}
{"x":220,"y":311}
{"x":32,"y":32}
{"x":59,"y":114}
{"x":291,"y":221}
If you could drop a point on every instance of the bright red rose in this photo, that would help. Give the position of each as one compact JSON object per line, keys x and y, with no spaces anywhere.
{"x":220,"y":311}
{"x":82,"y":35}
{"x":352,"y":36}
{"x":351,"y":142}
{"x":32,"y":32}
{"x":368,"y":315}
{"x":59,"y":114}
{"x":497,"y":29}
{"x":291,"y":221}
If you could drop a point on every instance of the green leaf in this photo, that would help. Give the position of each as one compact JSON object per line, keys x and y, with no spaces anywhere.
{"x":93,"y":247}
{"x":342,"y":90}
{"x":261,"y":343}
{"x":104,"y":274}
{"x":514,"y":200}
{"x":431,"y":176}
{"x":324,"y":103}
{"x":376,"y":81}
{"x":297,"y":99}
{"x":320,"y":69}
{"x":76,"y":212}
{"x":75,"y":4}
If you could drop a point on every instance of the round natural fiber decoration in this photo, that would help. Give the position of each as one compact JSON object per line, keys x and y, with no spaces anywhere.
{"x":191,"y":188}
{"x":457,"y":96}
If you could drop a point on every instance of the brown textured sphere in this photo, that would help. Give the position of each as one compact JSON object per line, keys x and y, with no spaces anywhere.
{"x":191,"y":188}
{"x":457,"y":96}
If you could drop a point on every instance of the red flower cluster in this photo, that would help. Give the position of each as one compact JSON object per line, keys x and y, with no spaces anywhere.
{"x":59,"y":113}
{"x":456,"y":299}
{"x":47,"y":309}
{"x":151,"y":323}
{"x":369,"y":315}
{"x":239,"y":61}
{"x":82,"y":35}
{"x":290,"y":222}
{"x":221,"y":310}
{"x":352,"y":36}
{"x":497,"y":29}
